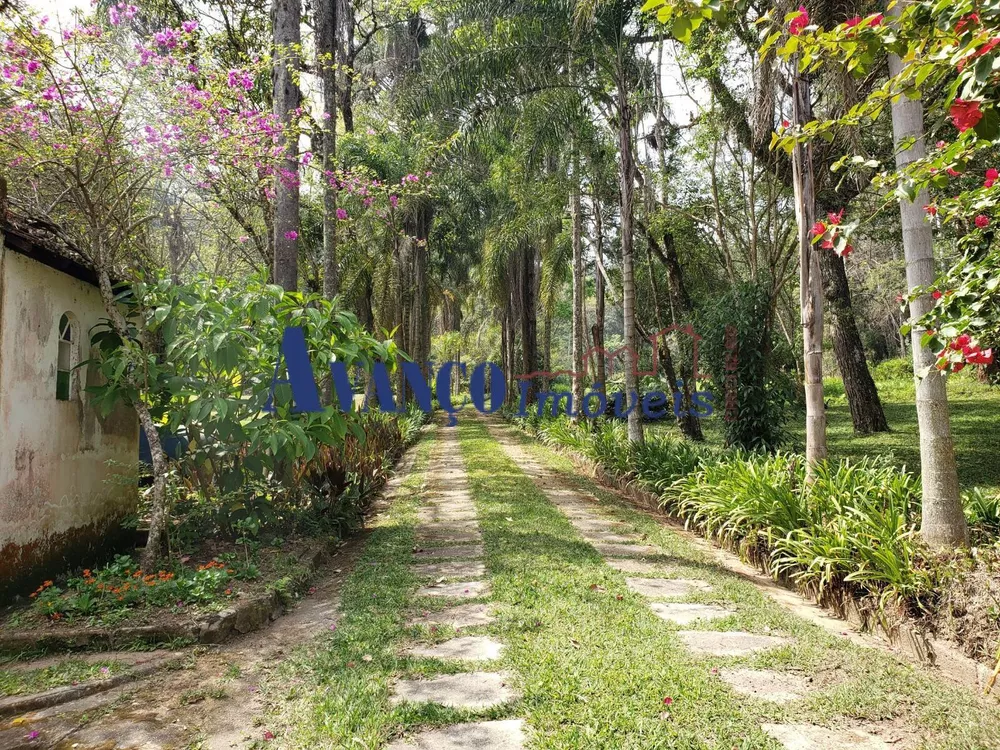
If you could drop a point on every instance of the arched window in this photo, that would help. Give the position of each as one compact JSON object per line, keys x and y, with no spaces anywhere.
{"x":65,"y":363}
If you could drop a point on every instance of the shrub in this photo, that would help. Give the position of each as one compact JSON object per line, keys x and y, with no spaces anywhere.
{"x":982,"y":511}
{"x":763,"y":391}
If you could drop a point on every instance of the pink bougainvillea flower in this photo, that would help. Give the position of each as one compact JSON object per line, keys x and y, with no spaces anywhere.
{"x":848,"y":249}
{"x":189,"y":26}
{"x":668,"y":701}
{"x":852,"y":22}
{"x":33,"y":735}
{"x":836,"y":218}
{"x":818,"y":229}
{"x":341,"y":214}
{"x":876,"y":20}
{"x":394,"y":200}
{"x":953,"y":173}
{"x":965,"y":114}
{"x":992,"y":176}
{"x":982,"y":221}
{"x":292,"y":235}
{"x":799,"y":21}
{"x":268,"y":735}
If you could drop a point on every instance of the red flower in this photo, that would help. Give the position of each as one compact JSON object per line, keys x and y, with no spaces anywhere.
{"x":961,"y":342}
{"x":852,"y":22}
{"x":268,"y":735}
{"x":966,"y":21}
{"x":668,"y":701}
{"x":977,"y":357}
{"x":900,"y":298}
{"x":965,"y":114}
{"x":958,"y":367}
{"x":799,"y":22}
{"x":936,"y":294}
{"x":952,"y":173}
{"x":848,"y":249}
{"x":940,"y":144}
{"x":992,"y":176}
{"x":982,"y":221}
{"x":835,"y":218}
{"x":876,"y":20}
{"x":786,"y":124}
{"x":931,"y":209}
{"x":818,"y":229}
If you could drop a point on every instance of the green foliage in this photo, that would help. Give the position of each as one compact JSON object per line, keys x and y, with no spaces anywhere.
{"x":982,"y":511}
{"x":107,"y":593}
{"x":206,"y":352}
{"x":763,"y":392}
{"x":852,"y":529}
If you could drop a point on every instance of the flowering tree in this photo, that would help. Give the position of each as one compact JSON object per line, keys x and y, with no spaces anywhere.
{"x":93,"y":124}
{"x":941,"y":56}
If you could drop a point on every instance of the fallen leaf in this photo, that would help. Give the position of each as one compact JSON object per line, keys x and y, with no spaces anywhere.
{"x":366,"y":657}
{"x":575,"y":643}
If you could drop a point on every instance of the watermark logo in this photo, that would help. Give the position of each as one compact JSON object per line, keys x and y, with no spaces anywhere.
{"x":488,"y":385}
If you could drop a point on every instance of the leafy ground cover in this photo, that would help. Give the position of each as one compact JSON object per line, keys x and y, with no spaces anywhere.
{"x":218,"y":576}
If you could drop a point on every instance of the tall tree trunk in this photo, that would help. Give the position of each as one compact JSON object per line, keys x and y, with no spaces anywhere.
{"x":599,"y":294}
{"x":529,"y":320}
{"x":175,"y":241}
{"x":546,"y":351}
{"x":579,"y":283}
{"x":286,"y":16}
{"x":810,"y":283}
{"x":863,"y":400}
{"x":942,"y":520}
{"x":326,"y":59}
{"x":157,"y":544}
{"x":627,"y":185}
{"x":346,"y":55}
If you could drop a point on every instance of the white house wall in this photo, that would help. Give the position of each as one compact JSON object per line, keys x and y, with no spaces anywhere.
{"x":61,"y":497}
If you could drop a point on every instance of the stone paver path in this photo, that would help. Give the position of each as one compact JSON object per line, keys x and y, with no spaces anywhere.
{"x":473,"y":690}
{"x":483,"y":735}
{"x":448,"y":534}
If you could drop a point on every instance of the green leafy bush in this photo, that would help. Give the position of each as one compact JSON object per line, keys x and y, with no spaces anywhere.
{"x":852,"y":530}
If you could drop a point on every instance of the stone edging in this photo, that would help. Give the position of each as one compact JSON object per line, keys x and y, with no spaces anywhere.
{"x":907,"y":636}
{"x":20,"y":704}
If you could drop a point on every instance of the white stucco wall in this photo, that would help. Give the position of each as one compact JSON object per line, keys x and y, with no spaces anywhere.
{"x":58,"y":493}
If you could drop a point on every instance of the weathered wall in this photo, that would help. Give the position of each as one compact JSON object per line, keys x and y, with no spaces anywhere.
{"x":60,"y":496}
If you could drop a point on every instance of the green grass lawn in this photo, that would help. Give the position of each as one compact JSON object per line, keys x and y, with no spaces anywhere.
{"x":975,"y":424}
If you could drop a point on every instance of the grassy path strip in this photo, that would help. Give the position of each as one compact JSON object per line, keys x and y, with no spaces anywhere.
{"x":848,"y":686}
